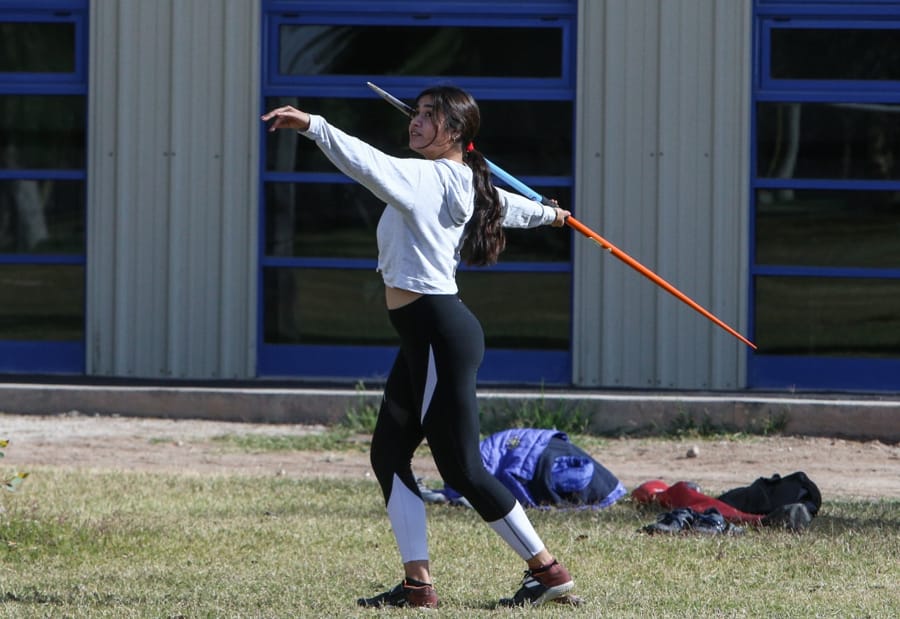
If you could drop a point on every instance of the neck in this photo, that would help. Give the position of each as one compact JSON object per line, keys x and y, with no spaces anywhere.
{"x":453,"y":153}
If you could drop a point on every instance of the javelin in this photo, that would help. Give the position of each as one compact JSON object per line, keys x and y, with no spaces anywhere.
{"x":573,"y":223}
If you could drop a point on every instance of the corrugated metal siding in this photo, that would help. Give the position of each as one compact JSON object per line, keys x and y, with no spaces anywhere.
{"x":662,"y":174}
{"x":172,"y":188}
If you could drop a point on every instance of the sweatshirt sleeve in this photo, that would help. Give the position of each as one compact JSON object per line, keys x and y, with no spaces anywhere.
{"x":391,"y":179}
{"x":521,"y":212}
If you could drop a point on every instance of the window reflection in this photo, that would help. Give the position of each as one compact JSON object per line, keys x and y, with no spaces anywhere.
{"x":346,"y":307}
{"x":27,"y":47}
{"x":528,"y":137}
{"x":828,"y":228}
{"x":828,"y":141}
{"x":42,"y":132}
{"x":836,"y":53}
{"x":828,"y":316}
{"x":323,"y":220}
{"x":41,"y":302}
{"x":420,"y":50}
{"x":520,"y":310}
{"x":325,"y":306}
{"x":41,"y":216}
{"x":542,"y":244}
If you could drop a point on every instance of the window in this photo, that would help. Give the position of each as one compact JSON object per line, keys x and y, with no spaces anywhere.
{"x":322,"y":306}
{"x":826,"y":196}
{"x":817,"y":52}
{"x":446,"y":50}
{"x":37,"y":46}
{"x":43,"y":110}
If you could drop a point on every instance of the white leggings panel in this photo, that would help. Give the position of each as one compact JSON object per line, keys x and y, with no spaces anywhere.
{"x":406,"y":511}
{"x":516,"y":530}
{"x":430,"y":384}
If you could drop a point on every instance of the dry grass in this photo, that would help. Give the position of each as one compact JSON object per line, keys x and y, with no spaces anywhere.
{"x":87,"y":544}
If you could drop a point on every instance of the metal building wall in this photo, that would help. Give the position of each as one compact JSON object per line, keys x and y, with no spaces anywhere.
{"x":172,"y":203}
{"x":661,"y":169}
{"x":662,"y":173}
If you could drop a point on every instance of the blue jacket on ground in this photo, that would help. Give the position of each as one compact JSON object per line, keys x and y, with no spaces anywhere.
{"x":543,"y":468}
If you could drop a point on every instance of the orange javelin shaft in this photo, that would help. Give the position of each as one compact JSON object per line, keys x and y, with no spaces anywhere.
{"x":656,"y":279}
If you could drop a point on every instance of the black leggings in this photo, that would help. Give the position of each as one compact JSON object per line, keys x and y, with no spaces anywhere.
{"x":430,"y":394}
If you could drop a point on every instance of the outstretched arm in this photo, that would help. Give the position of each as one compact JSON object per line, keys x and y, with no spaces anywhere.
{"x":521,"y":212}
{"x":392,"y":180}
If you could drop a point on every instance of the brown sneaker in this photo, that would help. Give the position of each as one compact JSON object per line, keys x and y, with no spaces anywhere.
{"x":404,"y":594}
{"x":540,"y":585}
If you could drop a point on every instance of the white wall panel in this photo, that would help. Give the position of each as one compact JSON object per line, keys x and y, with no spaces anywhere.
{"x":172,"y":188}
{"x":669,"y":79}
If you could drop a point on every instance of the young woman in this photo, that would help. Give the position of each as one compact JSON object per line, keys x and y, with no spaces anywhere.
{"x":440,"y":208}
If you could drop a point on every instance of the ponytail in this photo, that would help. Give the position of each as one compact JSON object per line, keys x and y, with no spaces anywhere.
{"x":484,"y":238}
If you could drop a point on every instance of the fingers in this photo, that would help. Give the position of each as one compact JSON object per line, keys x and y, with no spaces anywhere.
{"x":287,"y":117}
{"x":277,"y":112}
{"x":282,"y":122}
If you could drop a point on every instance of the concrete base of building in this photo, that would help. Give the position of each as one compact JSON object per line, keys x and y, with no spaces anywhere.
{"x":860,"y":417}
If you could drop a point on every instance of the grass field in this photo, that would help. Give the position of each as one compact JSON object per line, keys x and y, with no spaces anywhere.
{"x":91,"y":544}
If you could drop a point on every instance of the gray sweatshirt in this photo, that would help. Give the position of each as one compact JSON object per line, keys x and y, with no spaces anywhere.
{"x":421,"y":231}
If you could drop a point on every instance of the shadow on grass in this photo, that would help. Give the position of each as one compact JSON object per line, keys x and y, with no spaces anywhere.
{"x":828,"y":524}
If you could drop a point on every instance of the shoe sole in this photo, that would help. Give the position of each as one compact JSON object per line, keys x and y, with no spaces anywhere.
{"x":569,"y":599}
{"x":553,"y":593}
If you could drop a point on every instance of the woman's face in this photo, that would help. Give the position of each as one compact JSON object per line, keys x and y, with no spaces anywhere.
{"x":428,"y":135}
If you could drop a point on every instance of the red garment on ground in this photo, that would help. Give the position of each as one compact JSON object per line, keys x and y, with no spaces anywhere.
{"x":683,"y":494}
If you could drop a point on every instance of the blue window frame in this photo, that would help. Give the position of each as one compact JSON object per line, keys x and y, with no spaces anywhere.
{"x":321,"y":304}
{"x":43,"y":115}
{"x":825,"y":262}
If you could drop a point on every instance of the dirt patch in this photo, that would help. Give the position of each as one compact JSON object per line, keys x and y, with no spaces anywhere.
{"x":840,"y":468}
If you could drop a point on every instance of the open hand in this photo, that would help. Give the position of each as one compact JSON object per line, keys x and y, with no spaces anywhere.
{"x":287,"y":117}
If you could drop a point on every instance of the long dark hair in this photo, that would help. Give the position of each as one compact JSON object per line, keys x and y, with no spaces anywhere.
{"x":484,"y":238}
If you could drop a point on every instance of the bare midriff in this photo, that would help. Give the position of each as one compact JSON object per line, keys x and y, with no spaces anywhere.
{"x":398,"y":297}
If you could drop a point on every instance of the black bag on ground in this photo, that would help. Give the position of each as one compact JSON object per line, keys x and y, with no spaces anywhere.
{"x":768,"y":495}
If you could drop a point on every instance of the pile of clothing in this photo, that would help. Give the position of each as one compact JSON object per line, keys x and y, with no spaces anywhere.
{"x":545,"y":470}
{"x":790,"y":502}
